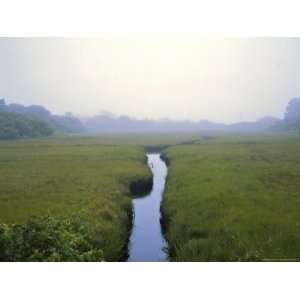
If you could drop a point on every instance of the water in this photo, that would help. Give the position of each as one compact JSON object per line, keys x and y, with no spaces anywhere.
{"x":147,"y":242}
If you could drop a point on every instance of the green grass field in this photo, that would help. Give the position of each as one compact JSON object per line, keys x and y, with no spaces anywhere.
{"x":234,"y":199}
{"x":79,"y":186}
{"x":227,"y":198}
{"x":81,"y":179}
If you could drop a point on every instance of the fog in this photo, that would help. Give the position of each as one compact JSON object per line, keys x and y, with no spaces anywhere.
{"x":222,"y":80}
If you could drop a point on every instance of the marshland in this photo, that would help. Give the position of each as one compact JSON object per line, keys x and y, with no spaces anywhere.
{"x":230,"y":198}
{"x":149,"y":149}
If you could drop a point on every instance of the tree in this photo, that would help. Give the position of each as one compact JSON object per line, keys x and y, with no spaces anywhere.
{"x":292,"y":115}
{"x":14,"y":126}
{"x":293,"y":110}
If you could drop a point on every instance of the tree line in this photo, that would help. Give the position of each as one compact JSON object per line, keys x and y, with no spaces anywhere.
{"x":19,"y":121}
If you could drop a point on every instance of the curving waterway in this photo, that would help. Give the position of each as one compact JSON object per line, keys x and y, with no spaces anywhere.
{"x":147,"y":242}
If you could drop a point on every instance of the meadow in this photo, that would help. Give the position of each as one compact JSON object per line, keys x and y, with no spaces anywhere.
{"x":233,"y":199}
{"x":83,"y":180}
{"x":69,"y":198}
{"x":227,"y":197}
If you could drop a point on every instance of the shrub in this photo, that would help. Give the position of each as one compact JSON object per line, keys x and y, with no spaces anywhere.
{"x":47,"y":239}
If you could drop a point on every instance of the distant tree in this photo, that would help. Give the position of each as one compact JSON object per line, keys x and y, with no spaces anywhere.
{"x":14,"y":126}
{"x":38,"y":111}
{"x":67,"y":124}
{"x":293,"y":110}
{"x":8,"y":132}
{"x":292,"y":115}
{"x":64,"y":124}
{"x":2,"y":105}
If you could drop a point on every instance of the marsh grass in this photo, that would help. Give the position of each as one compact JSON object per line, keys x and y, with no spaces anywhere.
{"x":75,"y":179}
{"x":227,"y":198}
{"x":233,"y":199}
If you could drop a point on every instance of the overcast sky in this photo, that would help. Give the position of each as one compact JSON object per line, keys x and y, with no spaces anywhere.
{"x":224,"y":80}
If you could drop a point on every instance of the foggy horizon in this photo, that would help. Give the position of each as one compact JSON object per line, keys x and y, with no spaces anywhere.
{"x":117,"y":116}
{"x":224,"y":80}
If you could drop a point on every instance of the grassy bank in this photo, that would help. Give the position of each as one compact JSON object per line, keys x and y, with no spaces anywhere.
{"x":79,"y":181}
{"x":234,"y":199}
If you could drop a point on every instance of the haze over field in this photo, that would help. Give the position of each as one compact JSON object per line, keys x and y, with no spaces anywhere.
{"x":223,"y":80}
{"x":149,"y":150}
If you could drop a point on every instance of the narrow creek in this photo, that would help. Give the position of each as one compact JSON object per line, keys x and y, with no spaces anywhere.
{"x":146,"y":241}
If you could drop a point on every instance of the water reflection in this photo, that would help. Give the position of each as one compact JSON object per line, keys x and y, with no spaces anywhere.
{"x":147,"y":242}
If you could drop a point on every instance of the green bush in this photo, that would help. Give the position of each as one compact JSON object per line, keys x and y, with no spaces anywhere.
{"x":47,"y":239}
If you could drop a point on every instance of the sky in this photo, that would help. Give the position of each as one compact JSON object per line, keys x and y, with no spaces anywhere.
{"x":218,"y":79}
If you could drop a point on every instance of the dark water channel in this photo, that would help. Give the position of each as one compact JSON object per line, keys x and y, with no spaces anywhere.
{"x":147,"y":242}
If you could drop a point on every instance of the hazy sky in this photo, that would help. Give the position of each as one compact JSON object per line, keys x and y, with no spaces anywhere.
{"x":217,"y":79}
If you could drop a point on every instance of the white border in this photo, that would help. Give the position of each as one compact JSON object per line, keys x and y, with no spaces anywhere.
{"x":148,"y":18}
{"x":149,"y":281}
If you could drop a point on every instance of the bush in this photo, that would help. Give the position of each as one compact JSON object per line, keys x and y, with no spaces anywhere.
{"x":47,"y":239}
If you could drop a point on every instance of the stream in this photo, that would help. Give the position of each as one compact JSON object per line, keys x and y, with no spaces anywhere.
{"x":146,"y":241}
